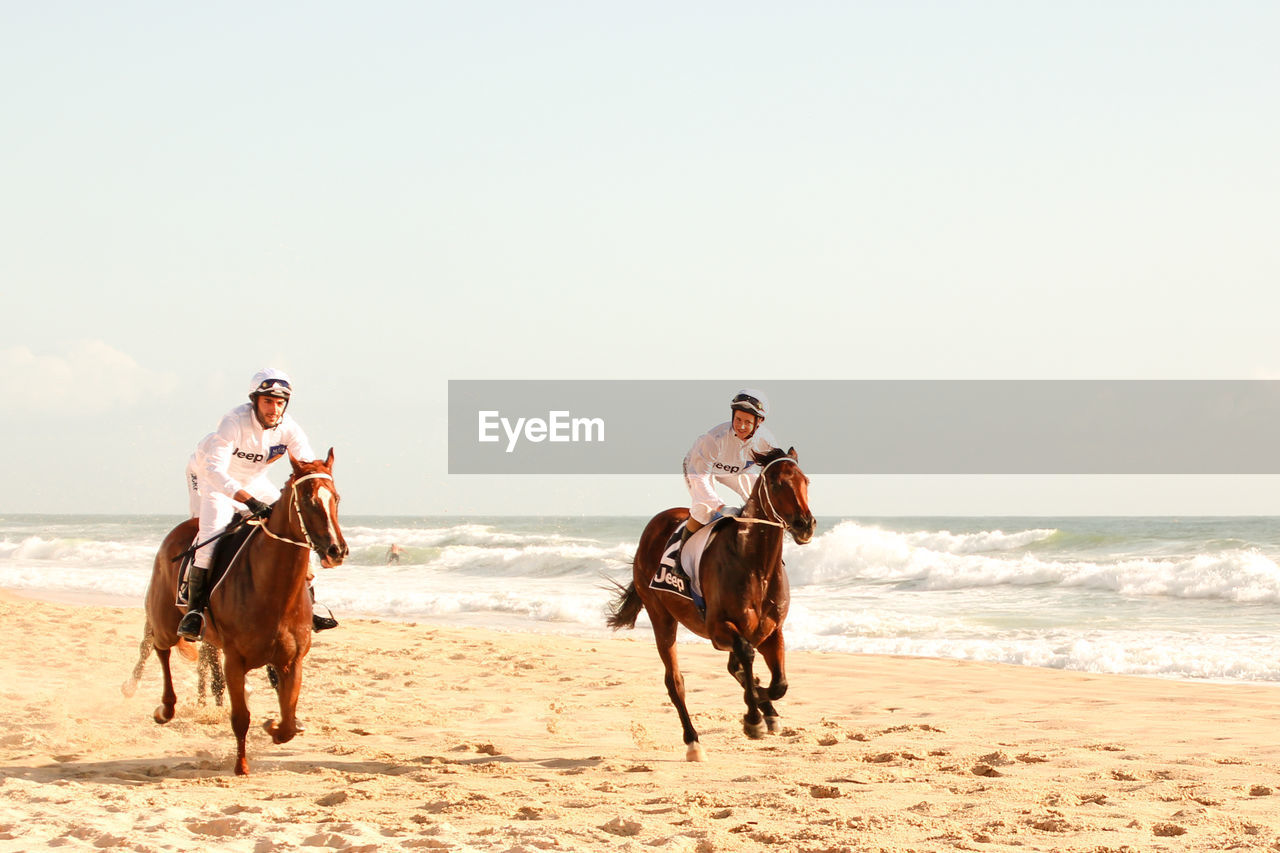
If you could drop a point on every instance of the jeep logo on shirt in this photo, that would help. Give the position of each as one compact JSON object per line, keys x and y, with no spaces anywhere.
{"x":728,"y":469}
{"x":250,"y":457}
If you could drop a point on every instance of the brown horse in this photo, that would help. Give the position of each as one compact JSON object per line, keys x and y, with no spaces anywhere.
{"x":744,"y":585}
{"x":260,"y":612}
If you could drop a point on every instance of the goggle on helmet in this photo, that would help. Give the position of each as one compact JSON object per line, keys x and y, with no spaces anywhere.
{"x":751,"y":401}
{"x":270,"y":383}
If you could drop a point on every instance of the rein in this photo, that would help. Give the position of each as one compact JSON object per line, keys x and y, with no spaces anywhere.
{"x":297,"y":511}
{"x":776,"y":521}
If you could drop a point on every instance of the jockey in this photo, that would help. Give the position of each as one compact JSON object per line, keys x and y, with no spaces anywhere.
{"x":228,"y":472}
{"x":724,"y":454}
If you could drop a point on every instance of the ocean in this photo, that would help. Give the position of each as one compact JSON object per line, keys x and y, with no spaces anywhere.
{"x":1182,"y":598}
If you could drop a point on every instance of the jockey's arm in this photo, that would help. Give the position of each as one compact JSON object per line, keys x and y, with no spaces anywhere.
{"x":299,"y":446}
{"x":702,"y":481}
{"x":218,"y":459}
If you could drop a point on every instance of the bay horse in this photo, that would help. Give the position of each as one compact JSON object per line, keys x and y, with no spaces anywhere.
{"x":743,"y":583}
{"x":260,"y":612}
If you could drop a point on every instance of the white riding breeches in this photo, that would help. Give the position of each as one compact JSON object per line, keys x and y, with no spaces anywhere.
{"x":215,"y":510}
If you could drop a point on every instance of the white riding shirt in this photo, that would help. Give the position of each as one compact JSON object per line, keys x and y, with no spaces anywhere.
{"x":236,"y":456}
{"x":719,"y":456}
{"x":240,"y":450}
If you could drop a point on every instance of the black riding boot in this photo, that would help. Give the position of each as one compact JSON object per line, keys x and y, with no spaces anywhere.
{"x":318,"y":622}
{"x":192,"y":625}
{"x":685,"y":533}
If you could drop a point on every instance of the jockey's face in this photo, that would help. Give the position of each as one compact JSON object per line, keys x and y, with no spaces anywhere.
{"x":270,"y":410}
{"x":744,"y":424}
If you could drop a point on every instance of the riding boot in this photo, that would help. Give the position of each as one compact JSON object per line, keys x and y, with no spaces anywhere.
{"x":318,"y":622}
{"x":192,"y":625}
{"x":685,"y":533}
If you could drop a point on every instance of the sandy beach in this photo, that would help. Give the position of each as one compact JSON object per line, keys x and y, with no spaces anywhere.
{"x":440,"y":738}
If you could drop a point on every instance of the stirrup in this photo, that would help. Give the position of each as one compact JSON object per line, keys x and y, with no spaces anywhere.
{"x":323,"y":623}
{"x":318,"y":622}
{"x":191,"y":626}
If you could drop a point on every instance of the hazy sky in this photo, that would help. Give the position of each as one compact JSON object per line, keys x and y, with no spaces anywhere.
{"x":379,"y":197}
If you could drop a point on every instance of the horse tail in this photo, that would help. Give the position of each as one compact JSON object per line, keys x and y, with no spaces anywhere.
{"x":187,"y":649}
{"x":625,"y":608}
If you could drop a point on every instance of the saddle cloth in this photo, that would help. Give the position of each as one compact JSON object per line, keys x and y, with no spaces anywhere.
{"x":685,"y":580}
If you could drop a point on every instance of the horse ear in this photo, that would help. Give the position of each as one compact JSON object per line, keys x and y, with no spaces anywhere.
{"x":792,"y":453}
{"x":328,"y":462}
{"x":294,"y":463}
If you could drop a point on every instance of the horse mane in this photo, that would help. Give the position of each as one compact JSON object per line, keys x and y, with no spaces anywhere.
{"x":763,"y":459}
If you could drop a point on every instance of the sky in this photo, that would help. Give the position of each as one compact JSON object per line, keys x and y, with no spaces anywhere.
{"x":381,"y":197}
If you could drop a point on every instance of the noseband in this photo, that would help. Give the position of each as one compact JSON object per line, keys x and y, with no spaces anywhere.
{"x":297,"y":511}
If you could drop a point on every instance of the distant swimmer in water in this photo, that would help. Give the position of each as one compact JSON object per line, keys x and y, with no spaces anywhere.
{"x":393,"y":554}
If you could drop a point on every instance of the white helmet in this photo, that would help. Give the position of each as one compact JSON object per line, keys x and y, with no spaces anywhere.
{"x":751,"y":401}
{"x":270,"y":382}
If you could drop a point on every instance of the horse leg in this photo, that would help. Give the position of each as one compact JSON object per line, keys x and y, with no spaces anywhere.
{"x":202,"y":676}
{"x":753,"y":723}
{"x":168,"y":699}
{"x":766,"y":707}
{"x":212,"y":679}
{"x":773,"y":650}
{"x":287,"y":690}
{"x":144,"y":651}
{"x":239,"y":709}
{"x":218,"y":678}
{"x":664,"y":633}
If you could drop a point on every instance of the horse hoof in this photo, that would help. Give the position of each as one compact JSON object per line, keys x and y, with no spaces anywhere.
{"x":693,"y":752}
{"x":129,"y":687}
{"x":774,"y":724}
{"x":162,"y":714}
{"x":242,"y":767}
{"x":755,"y":731}
{"x":278,"y":733}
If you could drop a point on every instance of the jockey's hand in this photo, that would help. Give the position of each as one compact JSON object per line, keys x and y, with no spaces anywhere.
{"x":726,"y":512}
{"x":258,"y":509}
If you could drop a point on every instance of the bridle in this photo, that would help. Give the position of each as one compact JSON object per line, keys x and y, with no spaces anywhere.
{"x":777,"y":520}
{"x":297,"y":511}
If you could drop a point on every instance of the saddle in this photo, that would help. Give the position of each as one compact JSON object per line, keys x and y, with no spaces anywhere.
{"x":225,"y":551}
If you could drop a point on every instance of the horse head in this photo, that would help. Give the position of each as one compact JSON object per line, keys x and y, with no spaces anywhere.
{"x":315,"y":501}
{"x":782,"y":493}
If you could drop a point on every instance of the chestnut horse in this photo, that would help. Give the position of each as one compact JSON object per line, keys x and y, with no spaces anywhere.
{"x":744,"y":585}
{"x":260,"y":612}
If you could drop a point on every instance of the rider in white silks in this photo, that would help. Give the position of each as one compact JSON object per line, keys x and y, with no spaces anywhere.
{"x":724,"y":454}
{"x":228,"y":472}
